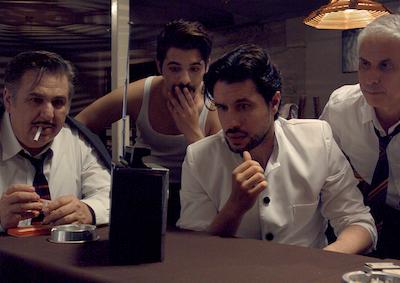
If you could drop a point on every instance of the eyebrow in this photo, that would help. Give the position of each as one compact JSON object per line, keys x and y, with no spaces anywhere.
{"x":192,"y":64}
{"x":384,"y":60}
{"x":242,"y":100}
{"x":36,"y":94}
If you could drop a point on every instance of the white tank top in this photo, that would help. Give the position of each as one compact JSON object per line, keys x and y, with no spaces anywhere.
{"x":166,"y":150}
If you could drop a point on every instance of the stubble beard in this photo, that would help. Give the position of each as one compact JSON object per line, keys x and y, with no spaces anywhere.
{"x":254,"y":141}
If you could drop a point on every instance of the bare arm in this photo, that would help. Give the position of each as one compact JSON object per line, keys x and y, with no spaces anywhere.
{"x":248,"y":182}
{"x":227,"y":221}
{"x":107,"y":109}
{"x":213,"y":124}
{"x":354,"y":239}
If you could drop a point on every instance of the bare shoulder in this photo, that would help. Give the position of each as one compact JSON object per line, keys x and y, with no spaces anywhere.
{"x":135,"y":97}
{"x":108,"y":108}
{"x":136,"y":92}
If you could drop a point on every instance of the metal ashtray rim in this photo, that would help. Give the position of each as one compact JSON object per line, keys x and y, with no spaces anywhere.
{"x":73,"y":234}
{"x":374,"y":274}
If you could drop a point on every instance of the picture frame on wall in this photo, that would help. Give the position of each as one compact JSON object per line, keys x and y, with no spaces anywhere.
{"x":349,"y":50}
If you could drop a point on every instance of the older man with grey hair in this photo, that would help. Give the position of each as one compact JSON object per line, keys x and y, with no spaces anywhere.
{"x":365,"y":119}
{"x":49,"y":173}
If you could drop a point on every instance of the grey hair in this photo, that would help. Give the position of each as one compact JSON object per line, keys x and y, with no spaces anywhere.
{"x":387,"y":26}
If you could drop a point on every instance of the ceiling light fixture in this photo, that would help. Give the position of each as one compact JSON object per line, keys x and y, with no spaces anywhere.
{"x":346,"y":14}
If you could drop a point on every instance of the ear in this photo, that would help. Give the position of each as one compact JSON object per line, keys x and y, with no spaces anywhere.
{"x":159,"y":67}
{"x":276,"y":101}
{"x":7,"y":99}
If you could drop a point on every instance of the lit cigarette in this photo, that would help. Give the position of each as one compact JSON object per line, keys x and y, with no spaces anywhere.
{"x":37,"y":136}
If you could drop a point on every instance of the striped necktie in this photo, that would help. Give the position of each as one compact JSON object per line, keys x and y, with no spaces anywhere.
{"x":375,"y":195}
{"x":39,"y":181}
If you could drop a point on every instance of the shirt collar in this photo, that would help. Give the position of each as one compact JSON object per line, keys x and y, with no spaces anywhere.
{"x":273,"y":161}
{"x":368,"y":115}
{"x":367,"y":112}
{"x":9,"y":142}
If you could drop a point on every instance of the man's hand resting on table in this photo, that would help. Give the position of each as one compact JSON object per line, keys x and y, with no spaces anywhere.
{"x":66,"y":210}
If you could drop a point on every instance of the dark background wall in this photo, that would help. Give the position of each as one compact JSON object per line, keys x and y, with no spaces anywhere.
{"x":310,"y":60}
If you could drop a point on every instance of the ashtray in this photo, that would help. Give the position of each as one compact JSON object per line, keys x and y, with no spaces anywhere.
{"x":73,"y":233}
{"x":370,"y":277}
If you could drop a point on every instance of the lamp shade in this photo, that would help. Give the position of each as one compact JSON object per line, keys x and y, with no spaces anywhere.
{"x":346,"y":14}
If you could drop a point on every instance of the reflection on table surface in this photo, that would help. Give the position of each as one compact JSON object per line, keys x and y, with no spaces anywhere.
{"x":189,"y":257}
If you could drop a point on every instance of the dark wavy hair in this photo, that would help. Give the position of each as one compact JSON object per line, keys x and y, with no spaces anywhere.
{"x":247,"y":61}
{"x":183,"y":35}
{"x":41,"y":62}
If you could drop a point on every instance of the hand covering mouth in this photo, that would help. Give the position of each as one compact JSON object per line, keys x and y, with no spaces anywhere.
{"x":182,"y":86}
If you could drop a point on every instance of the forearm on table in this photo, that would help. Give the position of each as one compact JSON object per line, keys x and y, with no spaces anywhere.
{"x":226,"y":222}
{"x":354,"y":239}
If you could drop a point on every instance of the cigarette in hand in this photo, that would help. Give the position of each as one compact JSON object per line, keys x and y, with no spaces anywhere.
{"x":37,"y":135}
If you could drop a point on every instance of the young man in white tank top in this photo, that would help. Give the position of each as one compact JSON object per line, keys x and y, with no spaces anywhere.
{"x":169,"y":117}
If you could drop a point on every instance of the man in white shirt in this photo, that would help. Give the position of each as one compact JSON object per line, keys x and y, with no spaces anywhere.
{"x":359,"y":113}
{"x":265,"y":177}
{"x":37,"y":97}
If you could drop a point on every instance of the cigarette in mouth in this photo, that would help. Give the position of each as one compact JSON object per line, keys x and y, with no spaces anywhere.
{"x":37,"y":135}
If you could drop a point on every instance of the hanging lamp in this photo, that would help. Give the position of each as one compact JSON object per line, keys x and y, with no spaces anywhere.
{"x":346,"y":14}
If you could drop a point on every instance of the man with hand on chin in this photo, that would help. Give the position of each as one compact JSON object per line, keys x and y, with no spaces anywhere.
{"x":46,"y":166}
{"x":265,"y":177}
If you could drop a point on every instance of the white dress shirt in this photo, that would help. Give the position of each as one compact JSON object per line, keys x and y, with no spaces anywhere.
{"x":309,"y":181}
{"x":73,"y":169}
{"x":352,"y":120}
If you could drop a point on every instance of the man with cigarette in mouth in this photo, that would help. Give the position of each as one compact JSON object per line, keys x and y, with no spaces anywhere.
{"x":70,"y":185}
{"x":265,"y":177}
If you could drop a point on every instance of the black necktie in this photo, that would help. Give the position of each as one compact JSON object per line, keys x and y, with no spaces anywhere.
{"x":375,"y":196}
{"x":39,"y":181}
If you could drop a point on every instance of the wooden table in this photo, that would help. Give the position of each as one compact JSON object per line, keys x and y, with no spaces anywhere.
{"x":189,"y":257}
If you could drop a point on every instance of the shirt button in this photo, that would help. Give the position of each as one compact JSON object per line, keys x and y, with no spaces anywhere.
{"x":266,"y":200}
{"x":269,"y":236}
